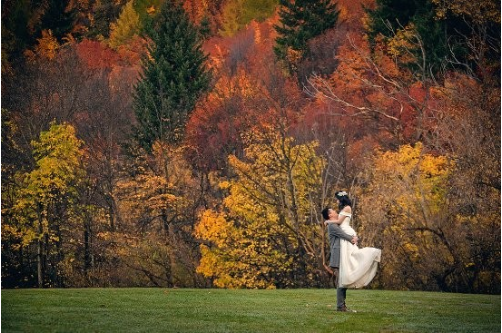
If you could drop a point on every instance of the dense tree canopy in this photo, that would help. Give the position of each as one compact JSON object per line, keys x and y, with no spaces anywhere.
{"x":263,"y":237}
{"x":46,"y":203}
{"x":430,"y":36}
{"x":164,"y":143}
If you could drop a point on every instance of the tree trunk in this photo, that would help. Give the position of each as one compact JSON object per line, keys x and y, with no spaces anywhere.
{"x":87,"y":244}
{"x":40,"y":270}
{"x":39,"y":264}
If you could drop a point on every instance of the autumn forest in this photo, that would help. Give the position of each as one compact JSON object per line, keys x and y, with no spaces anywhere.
{"x":194,"y":143}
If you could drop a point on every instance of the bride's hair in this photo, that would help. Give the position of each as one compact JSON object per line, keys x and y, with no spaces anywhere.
{"x":343,"y":198}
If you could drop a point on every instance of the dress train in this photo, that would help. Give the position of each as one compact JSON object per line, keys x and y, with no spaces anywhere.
{"x":358,"y":266}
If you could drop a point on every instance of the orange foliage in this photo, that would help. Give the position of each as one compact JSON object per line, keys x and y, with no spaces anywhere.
{"x":196,"y":9}
{"x":130,"y":54}
{"x":250,"y":93}
{"x":216,"y":50}
{"x":258,"y":38}
{"x":47,"y":47}
{"x":351,"y":11}
{"x":371,"y":96}
{"x":360,"y":150}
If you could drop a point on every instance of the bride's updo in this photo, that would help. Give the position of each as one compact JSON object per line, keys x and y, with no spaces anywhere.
{"x":343,"y":198}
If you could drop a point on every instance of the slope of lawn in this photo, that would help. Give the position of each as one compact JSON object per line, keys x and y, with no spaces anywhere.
{"x":219,"y":310}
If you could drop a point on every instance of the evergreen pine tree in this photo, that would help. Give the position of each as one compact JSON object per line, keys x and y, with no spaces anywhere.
{"x":205,"y":28}
{"x":58,"y":18}
{"x":174,"y":76}
{"x":300,"y":21}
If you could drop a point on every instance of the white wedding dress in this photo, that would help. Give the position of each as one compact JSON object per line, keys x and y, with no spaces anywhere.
{"x":358,"y":266}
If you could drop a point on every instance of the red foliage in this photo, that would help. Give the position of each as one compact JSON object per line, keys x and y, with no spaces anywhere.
{"x":213,"y":133}
{"x":122,"y":67}
{"x":96,"y":55}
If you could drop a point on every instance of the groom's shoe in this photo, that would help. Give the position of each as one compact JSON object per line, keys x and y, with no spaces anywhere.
{"x":344,"y":308}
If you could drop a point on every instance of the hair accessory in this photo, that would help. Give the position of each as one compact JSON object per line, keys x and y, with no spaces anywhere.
{"x":342,"y":194}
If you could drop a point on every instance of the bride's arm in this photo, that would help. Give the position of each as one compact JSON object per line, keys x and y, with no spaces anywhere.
{"x":340,"y":217}
{"x":336,"y":220}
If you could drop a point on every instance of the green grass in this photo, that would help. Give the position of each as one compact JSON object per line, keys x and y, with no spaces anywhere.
{"x":218,"y":310}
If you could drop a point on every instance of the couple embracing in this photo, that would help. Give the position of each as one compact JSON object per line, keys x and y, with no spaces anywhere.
{"x":353,"y":267}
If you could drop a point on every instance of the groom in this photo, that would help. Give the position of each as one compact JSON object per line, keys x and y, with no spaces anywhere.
{"x":335,"y":234}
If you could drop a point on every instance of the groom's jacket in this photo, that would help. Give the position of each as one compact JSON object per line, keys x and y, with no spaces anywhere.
{"x":336,"y":233}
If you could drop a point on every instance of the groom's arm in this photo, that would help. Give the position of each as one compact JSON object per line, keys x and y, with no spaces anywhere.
{"x":334,"y":230}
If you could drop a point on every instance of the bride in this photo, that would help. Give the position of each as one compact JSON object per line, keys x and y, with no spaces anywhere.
{"x":358,"y":266}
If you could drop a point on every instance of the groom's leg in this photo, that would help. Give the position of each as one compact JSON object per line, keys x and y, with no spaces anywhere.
{"x":341,"y":294}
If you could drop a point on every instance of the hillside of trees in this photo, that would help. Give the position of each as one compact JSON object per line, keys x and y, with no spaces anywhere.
{"x":194,"y":143}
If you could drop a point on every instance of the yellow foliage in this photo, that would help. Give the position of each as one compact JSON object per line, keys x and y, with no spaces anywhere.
{"x":414,"y":177}
{"x":126,"y":27}
{"x":403,"y":207}
{"x":151,"y":10}
{"x":402,"y":43}
{"x":53,"y":182}
{"x":230,"y":18}
{"x":163,"y":188}
{"x":412,"y":250}
{"x":214,"y":227}
{"x":479,"y":12}
{"x":250,"y":244}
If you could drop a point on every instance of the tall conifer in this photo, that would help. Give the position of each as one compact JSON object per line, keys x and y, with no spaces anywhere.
{"x":300,"y":21}
{"x":174,"y":76}
{"x":58,"y":18}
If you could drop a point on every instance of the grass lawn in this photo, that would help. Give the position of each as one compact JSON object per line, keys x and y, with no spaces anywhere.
{"x":219,"y":310}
